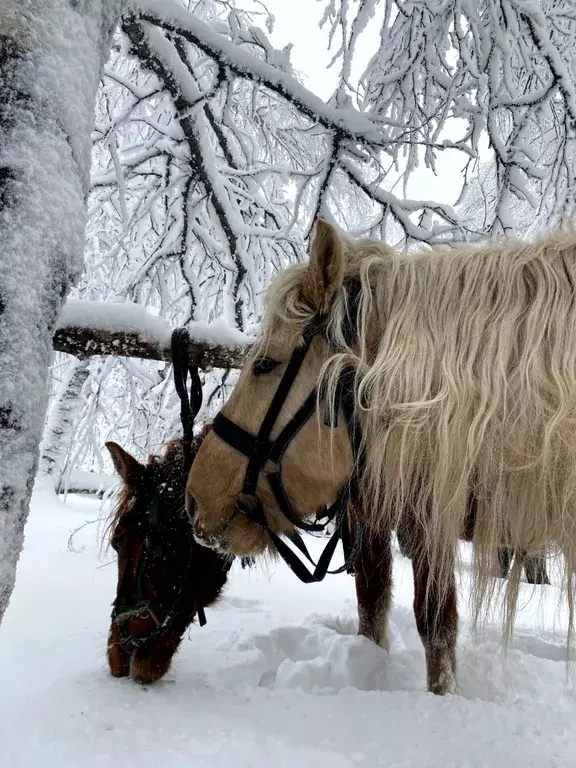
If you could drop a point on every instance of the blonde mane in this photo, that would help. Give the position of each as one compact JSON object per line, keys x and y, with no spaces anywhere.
{"x":466,"y":381}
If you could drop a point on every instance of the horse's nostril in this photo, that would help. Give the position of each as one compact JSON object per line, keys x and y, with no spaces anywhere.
{"x":201,"y":535}
{"x":190,"y":505}
{"x":198,"y":529}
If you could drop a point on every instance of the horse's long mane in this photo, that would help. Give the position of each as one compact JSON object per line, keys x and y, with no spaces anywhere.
{"x":170,"y":466}
{"x":466,"y":361}
{"x":172,"y":455}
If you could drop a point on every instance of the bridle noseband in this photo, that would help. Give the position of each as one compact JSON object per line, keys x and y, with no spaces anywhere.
{"x":265,"y":455}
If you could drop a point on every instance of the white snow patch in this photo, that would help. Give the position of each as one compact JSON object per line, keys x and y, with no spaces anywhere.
{"x":81,"y":481}
{"x":121,"y":317}
{"x":277,"y":677}
{"x":128,"y":317}
{"x":218,"y":333}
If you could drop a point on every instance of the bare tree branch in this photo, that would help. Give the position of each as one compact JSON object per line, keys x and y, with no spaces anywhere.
{"x":86,"y":342}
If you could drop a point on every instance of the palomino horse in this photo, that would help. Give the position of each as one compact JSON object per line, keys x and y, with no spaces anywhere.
{"x":165,"y":578}
{"x":461,"y":365}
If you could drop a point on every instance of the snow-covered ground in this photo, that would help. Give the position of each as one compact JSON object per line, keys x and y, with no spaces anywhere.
{"x":277,"y":679}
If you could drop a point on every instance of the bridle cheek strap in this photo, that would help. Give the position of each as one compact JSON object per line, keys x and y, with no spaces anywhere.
{"x":259,"y":454}
{"x":260,"y":451}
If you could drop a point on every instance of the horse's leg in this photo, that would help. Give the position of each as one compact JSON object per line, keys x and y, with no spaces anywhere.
{"x":535,"y":567}
{"x":505,"y":555}
{"x":437,"y":621}
{"x":373,"y":574}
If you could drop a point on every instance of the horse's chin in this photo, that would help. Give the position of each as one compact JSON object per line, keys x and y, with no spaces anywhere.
{"x":210,"y":539}
{"x":149,"y":667}
{"x":210,"y":542}
{"x":118,"y":657}
{"x":237,"y":546}
{"x":245,"y":538}
{"x":234,"y":535}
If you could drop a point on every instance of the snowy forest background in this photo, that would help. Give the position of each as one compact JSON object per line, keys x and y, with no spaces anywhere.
{"x":211,"y":158}
{"x":210,"y":164}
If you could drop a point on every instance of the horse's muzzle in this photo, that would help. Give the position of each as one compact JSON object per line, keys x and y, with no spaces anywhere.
{"x":197,"y":528}
{"x":202,"y":538}
{"x":213,"y":540}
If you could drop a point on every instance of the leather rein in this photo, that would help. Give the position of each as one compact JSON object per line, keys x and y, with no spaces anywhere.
{"x":189,"y":406}
{"x":265,"y":456}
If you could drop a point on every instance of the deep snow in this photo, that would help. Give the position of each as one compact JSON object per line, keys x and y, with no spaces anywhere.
{"x":277,"y":679}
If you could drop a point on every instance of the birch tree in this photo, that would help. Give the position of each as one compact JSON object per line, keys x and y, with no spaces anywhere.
{"x":51,"y":55}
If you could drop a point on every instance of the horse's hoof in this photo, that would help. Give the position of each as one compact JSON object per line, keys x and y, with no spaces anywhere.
{"x":441,"y":689}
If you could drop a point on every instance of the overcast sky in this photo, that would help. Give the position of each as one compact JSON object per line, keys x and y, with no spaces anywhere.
{"x":297,"y":23}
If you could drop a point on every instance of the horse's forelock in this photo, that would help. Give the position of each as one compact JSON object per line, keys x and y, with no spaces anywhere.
{"x":165,"y":463}
{"x":172,"y":451}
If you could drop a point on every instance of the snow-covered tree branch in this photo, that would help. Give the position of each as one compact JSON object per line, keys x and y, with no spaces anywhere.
{"x":88,"y":328}
{"x":471,"y":75}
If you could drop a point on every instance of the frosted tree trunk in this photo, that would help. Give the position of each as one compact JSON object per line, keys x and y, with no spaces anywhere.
{"x":51,"y":55}
{"x":59,"y":429}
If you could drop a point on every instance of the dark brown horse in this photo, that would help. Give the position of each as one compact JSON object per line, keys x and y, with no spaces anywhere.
{"x":165,"y":579}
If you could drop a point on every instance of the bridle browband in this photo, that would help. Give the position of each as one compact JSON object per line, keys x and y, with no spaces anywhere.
{"x":265,"y":455}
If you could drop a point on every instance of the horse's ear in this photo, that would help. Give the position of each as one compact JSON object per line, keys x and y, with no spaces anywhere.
{"x":326,"y":266}
{"x":130,"y":470}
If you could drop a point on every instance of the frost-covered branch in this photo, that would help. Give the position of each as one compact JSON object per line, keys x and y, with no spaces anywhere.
{"x":151,"y":46}
{"x":170,"y":16}
{"x":471,"y":71}
{"x":88,"y":328}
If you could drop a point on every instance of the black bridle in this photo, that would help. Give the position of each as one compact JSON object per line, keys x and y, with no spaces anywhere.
{"x":177,"y":615}
{"x":149,"y":519}
{"x":265,"y":455}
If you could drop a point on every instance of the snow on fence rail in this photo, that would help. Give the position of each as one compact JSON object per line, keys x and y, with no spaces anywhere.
{"x":82,"y":481}
{"x":87,"y":328}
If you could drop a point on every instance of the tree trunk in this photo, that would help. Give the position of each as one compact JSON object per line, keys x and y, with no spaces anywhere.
{"x":59,"y":429}
{"x":51,"y":55}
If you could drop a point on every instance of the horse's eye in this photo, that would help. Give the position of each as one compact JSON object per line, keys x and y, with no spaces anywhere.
{"x":116,"y":543}
{"x":264,"y":365}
